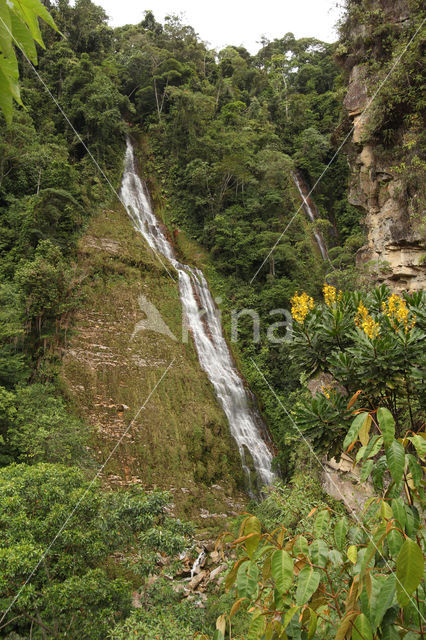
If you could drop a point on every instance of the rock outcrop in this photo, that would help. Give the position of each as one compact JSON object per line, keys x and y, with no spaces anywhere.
{"x":395,"y":225}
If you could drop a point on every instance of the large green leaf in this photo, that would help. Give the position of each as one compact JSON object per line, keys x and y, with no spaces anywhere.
{"x":394,"y":540}
{"x":312,"y":624}
{"x":37,"y":8}
{"x":367,"y":468}
{"x":232,"y":575}
{"x":395,"y":456}
{"x":247,"y":577}
{"x":252,"y":528}
{"x":409,"y":570}
{"x":340,"y":533}
{"x":390,"y":633}
{"x":256,"y":628}
{"x":356,"y":425}
{"x":282,"y":570}
{"x":289,"y":615}
{"x":361,"y":629}
{"x":6,"y":100}
{"x":5,"y":30}
{"x":19,"y":27}
{"x":23,"y":38}
{"x":307,"y":583}
{"x":413,"y":520}
{"x":415,"y":469}
{"x":383,"y":600}
{"x":318,"y":553}
{"x":29,"y":17}
{"x":398,"y":510}
{"x":321,"y":522}
{"x":301,"y":545}
{"x":335,"y":557}
{"x":373,"y":447}
{"x":420,"y":445}
{"x":387,"y":425}
{"x":378,"y":472}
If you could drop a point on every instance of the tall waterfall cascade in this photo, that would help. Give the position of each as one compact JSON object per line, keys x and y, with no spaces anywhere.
{"x":311,"y":215}
{"x":213,"y":352}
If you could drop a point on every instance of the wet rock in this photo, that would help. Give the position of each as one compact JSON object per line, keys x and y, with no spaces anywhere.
{"x":217,"y":571}
{"x":341,"y":481}
{"x":196,"y":580}
{"x":217,"y":487}
{"x":215,"y":557}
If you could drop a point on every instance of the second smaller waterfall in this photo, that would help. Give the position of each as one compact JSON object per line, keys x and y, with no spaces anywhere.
{"x":311,"y":215}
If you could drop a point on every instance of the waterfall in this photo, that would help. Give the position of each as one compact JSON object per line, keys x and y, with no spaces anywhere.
{"x":213,"y":352}
{"x":197,"y":563}
{"x":311,"y":215}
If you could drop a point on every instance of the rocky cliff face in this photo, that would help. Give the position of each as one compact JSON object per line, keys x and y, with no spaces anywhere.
{"x":386,"y":169}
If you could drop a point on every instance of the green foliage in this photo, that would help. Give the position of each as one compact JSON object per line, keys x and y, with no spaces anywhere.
{"x":48,"y":190}
{"x":225,"y":137}
{"x":227,"y":130}
{"x":373,"y":342}
{"x":55,"y":523}
{"x":19,"y":28}
{"x":44,"y":284}
{"x":289,"y":504}
{"x":163,"y":614}
{"x":12,"y":362}
{"x":339,"y":578}
{"x":41,"y":428}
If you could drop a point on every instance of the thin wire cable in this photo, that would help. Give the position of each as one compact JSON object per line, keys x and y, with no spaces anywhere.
{"x":336,"y":153}
{"x":80,"y":500}
{"x":334,"y":484}
{"x":59,"y":107}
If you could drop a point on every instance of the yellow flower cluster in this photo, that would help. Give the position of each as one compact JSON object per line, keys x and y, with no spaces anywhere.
{"x":397,"y":311}
{"x":326,"y":391}
{"x":300,"y":306}
{"x":331,"y":295}
{"x":364,"y":321}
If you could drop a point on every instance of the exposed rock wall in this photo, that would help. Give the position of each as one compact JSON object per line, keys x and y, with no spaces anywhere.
{"x":395,"y":247}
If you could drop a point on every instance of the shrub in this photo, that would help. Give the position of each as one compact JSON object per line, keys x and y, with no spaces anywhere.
{"x":373,"y":342}
{"x":344,"y":579}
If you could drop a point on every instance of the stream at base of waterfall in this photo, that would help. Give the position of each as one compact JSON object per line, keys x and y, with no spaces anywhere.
{"x":213,"y":353}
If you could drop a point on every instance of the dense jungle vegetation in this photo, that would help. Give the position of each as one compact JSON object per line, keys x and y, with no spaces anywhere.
{"x":222,"y":132}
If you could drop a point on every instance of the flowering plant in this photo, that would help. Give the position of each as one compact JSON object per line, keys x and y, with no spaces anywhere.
{"x":358,"y":578}
{"x":373,"y":342}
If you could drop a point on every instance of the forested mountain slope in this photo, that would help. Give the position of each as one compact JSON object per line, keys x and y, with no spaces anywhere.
{"x":181,"y":440}
{"x":227,"y":142}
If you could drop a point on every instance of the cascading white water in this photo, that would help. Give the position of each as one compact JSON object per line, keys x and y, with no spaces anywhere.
{"x":213,"y":352}
{"x":197,"y":563}
{"x":308,"y":209}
